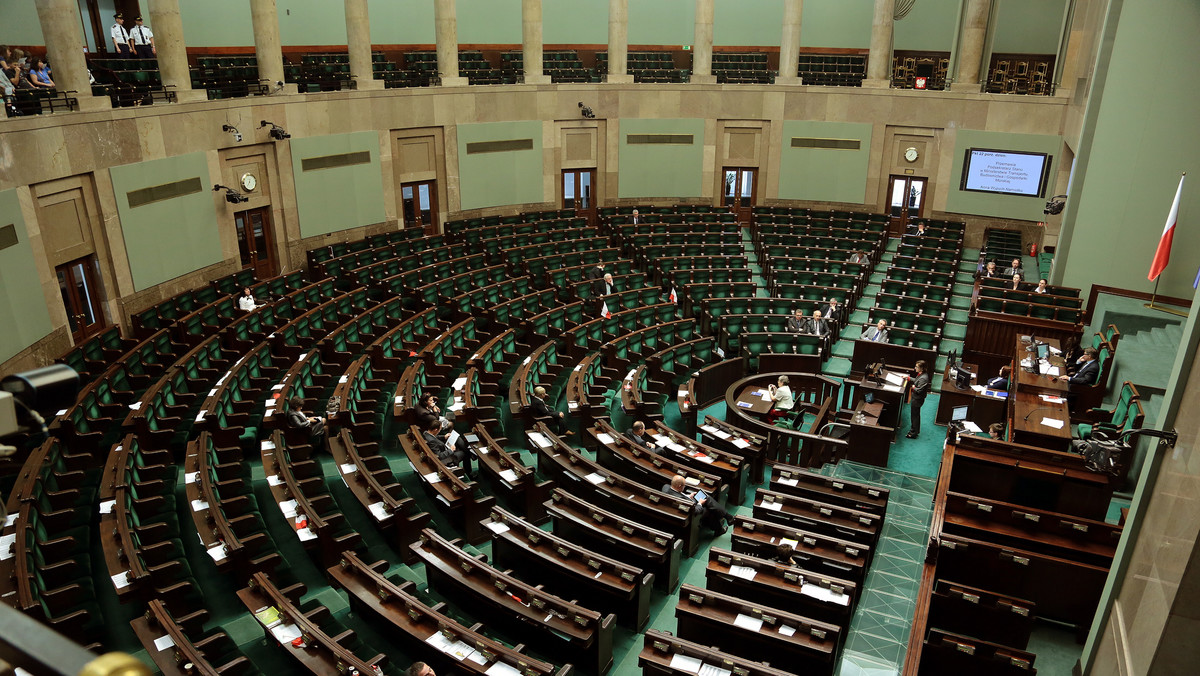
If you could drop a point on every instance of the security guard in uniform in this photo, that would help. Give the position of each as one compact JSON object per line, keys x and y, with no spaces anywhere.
{"x":120,"y":36}
{"x":143,"y":40}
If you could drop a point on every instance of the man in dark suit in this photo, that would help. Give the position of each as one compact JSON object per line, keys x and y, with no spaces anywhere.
{"x":603,"y":286}
{"x":542,"y":410}
{"x":1000,"y":382}
{"x":1088,"y":370}
{"x":436,"y":444}
{"x":637,"y":434}
{"x":597,"y":272}
{"x":635,"y":218}
{"x":920,"y":389}
{"x":797,"y":323}
{"x":877,"y":333}
{"x":711,"y":512}
{"x":817,"y":325}
{"x":832,"y":311}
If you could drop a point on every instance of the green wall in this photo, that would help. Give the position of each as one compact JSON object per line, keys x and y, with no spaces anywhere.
{"x":493,"y":179}
{"x":19,"y":23}
{"x":837,"y":23}
{"x":400,"y":22}
{"x":748,"y":22}
{"x":223,"y":23}
{"x":171,"y":237}
{"x":338,"y":198}
{"x":1000,"y":206}
{"x":23,"y":313}
{"x":661,"y":170}
{"x":824,"y":174}
{"x":661,"y":22}
{"x":1028,"y":26}
{"x":929,"y":26}
{"x":570,"y":22}
{"x":490,"y":21}
{"x":1133,"y":148}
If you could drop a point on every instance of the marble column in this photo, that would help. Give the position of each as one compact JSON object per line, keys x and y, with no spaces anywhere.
{"x":171,"y":52}
{"x":445,"y":24}
{"x":971,"y":39}
{"x":618,"y":42}
{"x":531,"y":42}
{"x":358,"y":43}
{"x":789,"y":45}
{"x":879,"y":63}
{"x":62,"y":31}
{"x":267,"y":50}
{"x":702,"y":43}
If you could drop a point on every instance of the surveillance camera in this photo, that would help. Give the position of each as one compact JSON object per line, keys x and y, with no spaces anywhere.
{"x":235,"y":198}
{"x":237,"y":136}
{"x":279,"y":83}
{"x":279,"y":134}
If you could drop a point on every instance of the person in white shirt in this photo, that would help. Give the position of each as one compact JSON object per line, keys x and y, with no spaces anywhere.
{"x":143,"y":40}
{"x":1041,"y":287}
{"x":636,"y":218}
{"x":120,"y":36}
{"x":246,"y":302}
{"x":781,"y":394}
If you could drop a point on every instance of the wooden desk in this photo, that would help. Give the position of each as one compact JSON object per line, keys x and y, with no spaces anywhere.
{"x":1028,"y":410}
{"x":1038,"y":384}
{"x":661,"y":648}
{"x":750,"y":400}
{"x":982,"y":409}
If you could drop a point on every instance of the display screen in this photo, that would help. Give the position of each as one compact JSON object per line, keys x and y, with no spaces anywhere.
{"x":1005,"y":172}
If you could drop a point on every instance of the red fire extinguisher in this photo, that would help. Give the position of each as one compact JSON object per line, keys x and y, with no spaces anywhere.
{"x":1033,"y":249}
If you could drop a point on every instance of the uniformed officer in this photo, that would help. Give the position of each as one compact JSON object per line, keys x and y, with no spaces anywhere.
{"x":143,"y":40}
{"x":120,"y":36}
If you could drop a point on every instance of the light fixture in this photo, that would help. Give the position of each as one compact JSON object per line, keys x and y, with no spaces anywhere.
{"x":277,"y":132}
{"x":232,"y":196}
{"x":237,"y":135}
{"x":586,"y":111}
{"x":1055,"y":205}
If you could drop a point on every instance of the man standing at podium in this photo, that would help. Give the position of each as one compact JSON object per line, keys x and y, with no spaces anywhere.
{"x":920,"y":389}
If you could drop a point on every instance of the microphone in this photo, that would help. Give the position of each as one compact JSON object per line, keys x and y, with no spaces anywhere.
{"x":1040,"y":408}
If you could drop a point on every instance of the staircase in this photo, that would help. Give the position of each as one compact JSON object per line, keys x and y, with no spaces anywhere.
{"x":756,"y":271}
{"x":954,"y":331}
{"x":1145,"y":358}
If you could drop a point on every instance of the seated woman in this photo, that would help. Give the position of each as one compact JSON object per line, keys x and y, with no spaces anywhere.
{"x":39,"y":75}
{"x":782,"y":396}
{"x":315,"y":425}
{"x":246,"y":302}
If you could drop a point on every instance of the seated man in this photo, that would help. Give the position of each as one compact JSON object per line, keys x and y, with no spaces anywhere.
{"x":603,"y":286}
{"x":635,"y":218}
{"x":797,"y":323}
{"x":860,"y":257}
{"x":832,"y":311}
{"x":1087,"y":371}
{"x":1000,"y":382}
{"x":429,"y":412}
{"x":298,"y":419}
{"x":877,"y":333}
{"x":712,"y":513}
{"x":919,"y":231}
{"x":542,"y":410}
{"x":637,"y":434}
{"x":437,"y":444}
{"x":1015,"y":268}
{"x":817,"y":325}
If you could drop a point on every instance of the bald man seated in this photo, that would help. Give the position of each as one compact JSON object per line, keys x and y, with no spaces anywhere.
{"x":712,"y":513}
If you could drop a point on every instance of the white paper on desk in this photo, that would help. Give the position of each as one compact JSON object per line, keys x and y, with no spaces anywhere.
{"x":822,"y":594}
{"x":539,"y":439}
{"x":289,"y":508}
{"x":1053,"y":422}
{"x":1053,"y":371}
{"x":692,"y":481}
{"x":135,"y":405}
{"x":6,"y":546}
{"x":305,"y":534}
{"x":163,"y":642}
{"x":378,"y":510}
{"x":191,"y":477}
{"x":270,"y":403}
{"x":277,"y":387}
{"x":12,"y":518}
{"x":713,"y":670}
{"x":683,"y":393}
{"x":121,"y":580}
{"x":452,"y":439}
{"x":509,"y":476}
{"x":106,"y":507}
{"x":497,"y":527}
{"x":200,"y":416}
{"x":705,"y":458}
{"x":199,"y":505}
{"x":978,"y":388}
{"x":675,"y":447}
{"x":894,"y":379}
{"x":721,"y":434}
{"x":747,"y":622}
{"x":686,"y":663}
{"x":605,"y":438}
{"x":475,"y":657}
{"x":501,"y":669}
{"x":572,"y":406}
{"x":267,"y":445}
{"x":274,"y":480}
{"x":431,"y":478}
{"x":741,"y":443}
{"x":457,"y":406}
{"x":285,"y":633}
{"x":217,"y":552}
{"x":788,"y":542}
{"x":971,"y":427}
{"x":766,"y":396}
{"x":662,"y":442}
{"x":744,"y":572}
{"x":343,"y":379}
{"x":60,"y":413}
{"x":348,"y":468}
{"x":892,"y":388}
{"x":595,"y":478}
{"x":458,"y":383}
{"x":720,"y":352}
{"x":457,"y":649}
{"x":1050,"y":399}
{"x":785,"y":630}
{"x":774,"y":506}
{"x":399,"y":401}
{"x":788,"y":482}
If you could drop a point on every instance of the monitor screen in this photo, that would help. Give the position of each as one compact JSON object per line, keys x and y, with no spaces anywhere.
{"x":1043,"y":350}
{"x":1005,"y":172}
{"x":959,"y":413}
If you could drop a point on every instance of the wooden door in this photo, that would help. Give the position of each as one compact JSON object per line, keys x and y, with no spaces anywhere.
{"x":419,"y":201}
{"x":579,"y":193}
{"x":906,"y":200}
{"x":78,"y":281}
{"x":739,"y":193}
{"x":255,"y":247}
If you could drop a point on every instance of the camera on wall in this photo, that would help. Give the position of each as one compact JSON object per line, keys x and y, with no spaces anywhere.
{"x":277,"y":132}
{"x":586,"y":111}
{"x":232,"y":196}
{"x":1055,"y":205}
{"x":237,"y":135}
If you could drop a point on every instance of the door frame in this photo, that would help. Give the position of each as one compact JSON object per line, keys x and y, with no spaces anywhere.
{"x":430,"y":228}
{"x":898,"y":224}
{"x":90,"y":265}
{"x":590,"y":212}
{"x":272,"y":260}
{"x":745,"y":214}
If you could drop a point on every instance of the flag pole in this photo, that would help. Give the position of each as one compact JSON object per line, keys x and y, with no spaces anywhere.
{"x":1164,"y":253}
{"x":1169,"y":310}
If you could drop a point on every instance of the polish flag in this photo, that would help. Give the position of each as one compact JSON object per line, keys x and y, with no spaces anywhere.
{"x":604,"y":311}
{"x":674,"y":298}
{"x":1162,"y":255}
